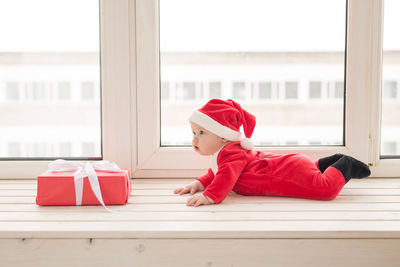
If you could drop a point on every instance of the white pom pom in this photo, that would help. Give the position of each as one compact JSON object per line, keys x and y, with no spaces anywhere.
{"x":246,"y":143}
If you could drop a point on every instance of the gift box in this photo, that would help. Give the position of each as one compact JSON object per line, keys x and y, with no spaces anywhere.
{"x":63,"y":188}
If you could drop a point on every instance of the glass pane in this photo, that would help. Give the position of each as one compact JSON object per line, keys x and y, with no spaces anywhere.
{"x":390,"y":144}
{"x":49,"y":79}
{"x":282,"y":60}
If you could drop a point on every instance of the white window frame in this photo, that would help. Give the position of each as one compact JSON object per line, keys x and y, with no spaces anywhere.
{"x":117,"y":78}
{"x":131,"y":108}
{"x":363,"y":98}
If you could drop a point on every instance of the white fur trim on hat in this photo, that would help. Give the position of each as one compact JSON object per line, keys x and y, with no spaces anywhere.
{"x":215,"y":127}
{"x":246,"y":143}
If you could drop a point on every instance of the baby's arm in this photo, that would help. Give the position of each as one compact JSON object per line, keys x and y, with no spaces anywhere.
{"x":193,"y":187}
{"x":198,"y":185}
{"x":199,"y":200}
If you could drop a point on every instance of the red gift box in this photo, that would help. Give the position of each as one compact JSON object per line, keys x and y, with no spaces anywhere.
{"x":58,"y":188}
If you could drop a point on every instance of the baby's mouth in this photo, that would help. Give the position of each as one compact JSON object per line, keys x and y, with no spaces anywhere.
{"x":196,"y":148}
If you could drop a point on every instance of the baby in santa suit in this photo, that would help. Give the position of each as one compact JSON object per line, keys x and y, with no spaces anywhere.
{"x":237,"y":167}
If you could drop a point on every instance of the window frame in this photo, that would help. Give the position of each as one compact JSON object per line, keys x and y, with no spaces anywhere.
{"x":131,"y":97}
{"x":362,"y":50}
{"x":117,"y":100}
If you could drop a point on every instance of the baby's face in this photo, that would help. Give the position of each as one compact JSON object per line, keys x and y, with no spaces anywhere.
{"x":205,"y":142}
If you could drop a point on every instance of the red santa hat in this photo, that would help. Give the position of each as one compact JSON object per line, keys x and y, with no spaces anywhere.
{"x":224,"y":119}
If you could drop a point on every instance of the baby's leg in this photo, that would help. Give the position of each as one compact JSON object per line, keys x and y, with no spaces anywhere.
{"x":339,"y":173}
{"x":327,"y":185}
{"x":324,"y":163}
{"x":351,"y":168}
{"x":320,"y":186}
{"x":300,"y":177}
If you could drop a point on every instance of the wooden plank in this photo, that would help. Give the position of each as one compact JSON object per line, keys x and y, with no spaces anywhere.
{"x":202,"y":229}
{"x":171,"y":182}
{"x":345,"y":191}
{"x":18,"y":186}
{"x":176,"y":199}
{"x":199,"y":216}
{"x":17,"y":200}
{"x":208,"y":252}
{"x":167,"y":192}
{"x":353,"y":182}
{"x":238,"y":207}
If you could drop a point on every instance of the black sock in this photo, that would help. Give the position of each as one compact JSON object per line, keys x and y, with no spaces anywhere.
{"x":351,"y":168}
{"x":324,"y":163}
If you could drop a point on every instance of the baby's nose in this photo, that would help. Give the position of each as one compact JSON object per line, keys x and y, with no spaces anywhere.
{"x":195,"y":140}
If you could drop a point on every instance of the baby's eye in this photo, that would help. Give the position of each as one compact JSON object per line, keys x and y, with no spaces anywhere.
{"x":201,"y":132}
{"x":194,"y":133}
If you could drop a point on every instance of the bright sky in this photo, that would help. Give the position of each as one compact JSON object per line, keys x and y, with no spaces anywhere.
{"x":190,"y":25}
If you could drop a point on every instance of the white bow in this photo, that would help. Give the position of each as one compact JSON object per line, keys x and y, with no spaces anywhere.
{"x":83,"y":170}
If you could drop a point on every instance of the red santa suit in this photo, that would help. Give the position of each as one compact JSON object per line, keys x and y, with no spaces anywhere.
{"x":236,"y":166}
{"x":255,"y":173}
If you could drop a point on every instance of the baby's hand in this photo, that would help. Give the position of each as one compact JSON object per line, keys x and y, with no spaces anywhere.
{"x":199,"y":200}
{"x":192,"y":188}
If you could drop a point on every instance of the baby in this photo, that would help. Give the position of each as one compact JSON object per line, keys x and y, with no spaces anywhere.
{"x":236,"y":166}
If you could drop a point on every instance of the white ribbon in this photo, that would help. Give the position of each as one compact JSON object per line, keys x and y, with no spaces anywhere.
{"x":83,"y":170}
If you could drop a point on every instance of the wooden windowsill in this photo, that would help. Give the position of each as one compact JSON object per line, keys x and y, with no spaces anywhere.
{"x":368,"y":208}
{"x":361,"y":227}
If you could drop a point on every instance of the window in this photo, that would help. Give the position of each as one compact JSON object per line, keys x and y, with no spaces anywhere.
{"x":315,"y":90}
{"x":215,"y":90}
{"x":12,"y":91}
{"x":143,"y":53}
{"x":43,"y":52}
{"x":88,"y":148}
{"x":87,"y":90}
{"x":189,"y":91}
{"x":347,"y":122}
{"x":339,"y":90}
{"x":390,"y":133}
{"x":389,"y":148}
{"x":37,"y":91}
{"x":165,"y":91}
{"x":390,"y":90}
{"x":14,"y":149}
{"x":265,"y":90}
{"x":239,"y":90}
{"x":37,"y":61}
{"x":291,"y":90}
{"x":64,"y":90}
{"x":65,"y":149}
{"x":259,"y":57}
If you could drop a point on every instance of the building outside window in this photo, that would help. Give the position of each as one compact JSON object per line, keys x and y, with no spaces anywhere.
{"x":165,"y":91}
{"x":339,"y":90}
{"x":265,"y":90}
{"x":37,"y":91}
{"x":189,"y":91}
{"x":239,"y":90}
{"x":390,"y":90}
{"x":64,"y":90}
{"x":291,"y":90}
{"x":315,"y":90}
{"x":87,"y":90}
{"x":215,"y":90}
{"x":12,"y":91}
